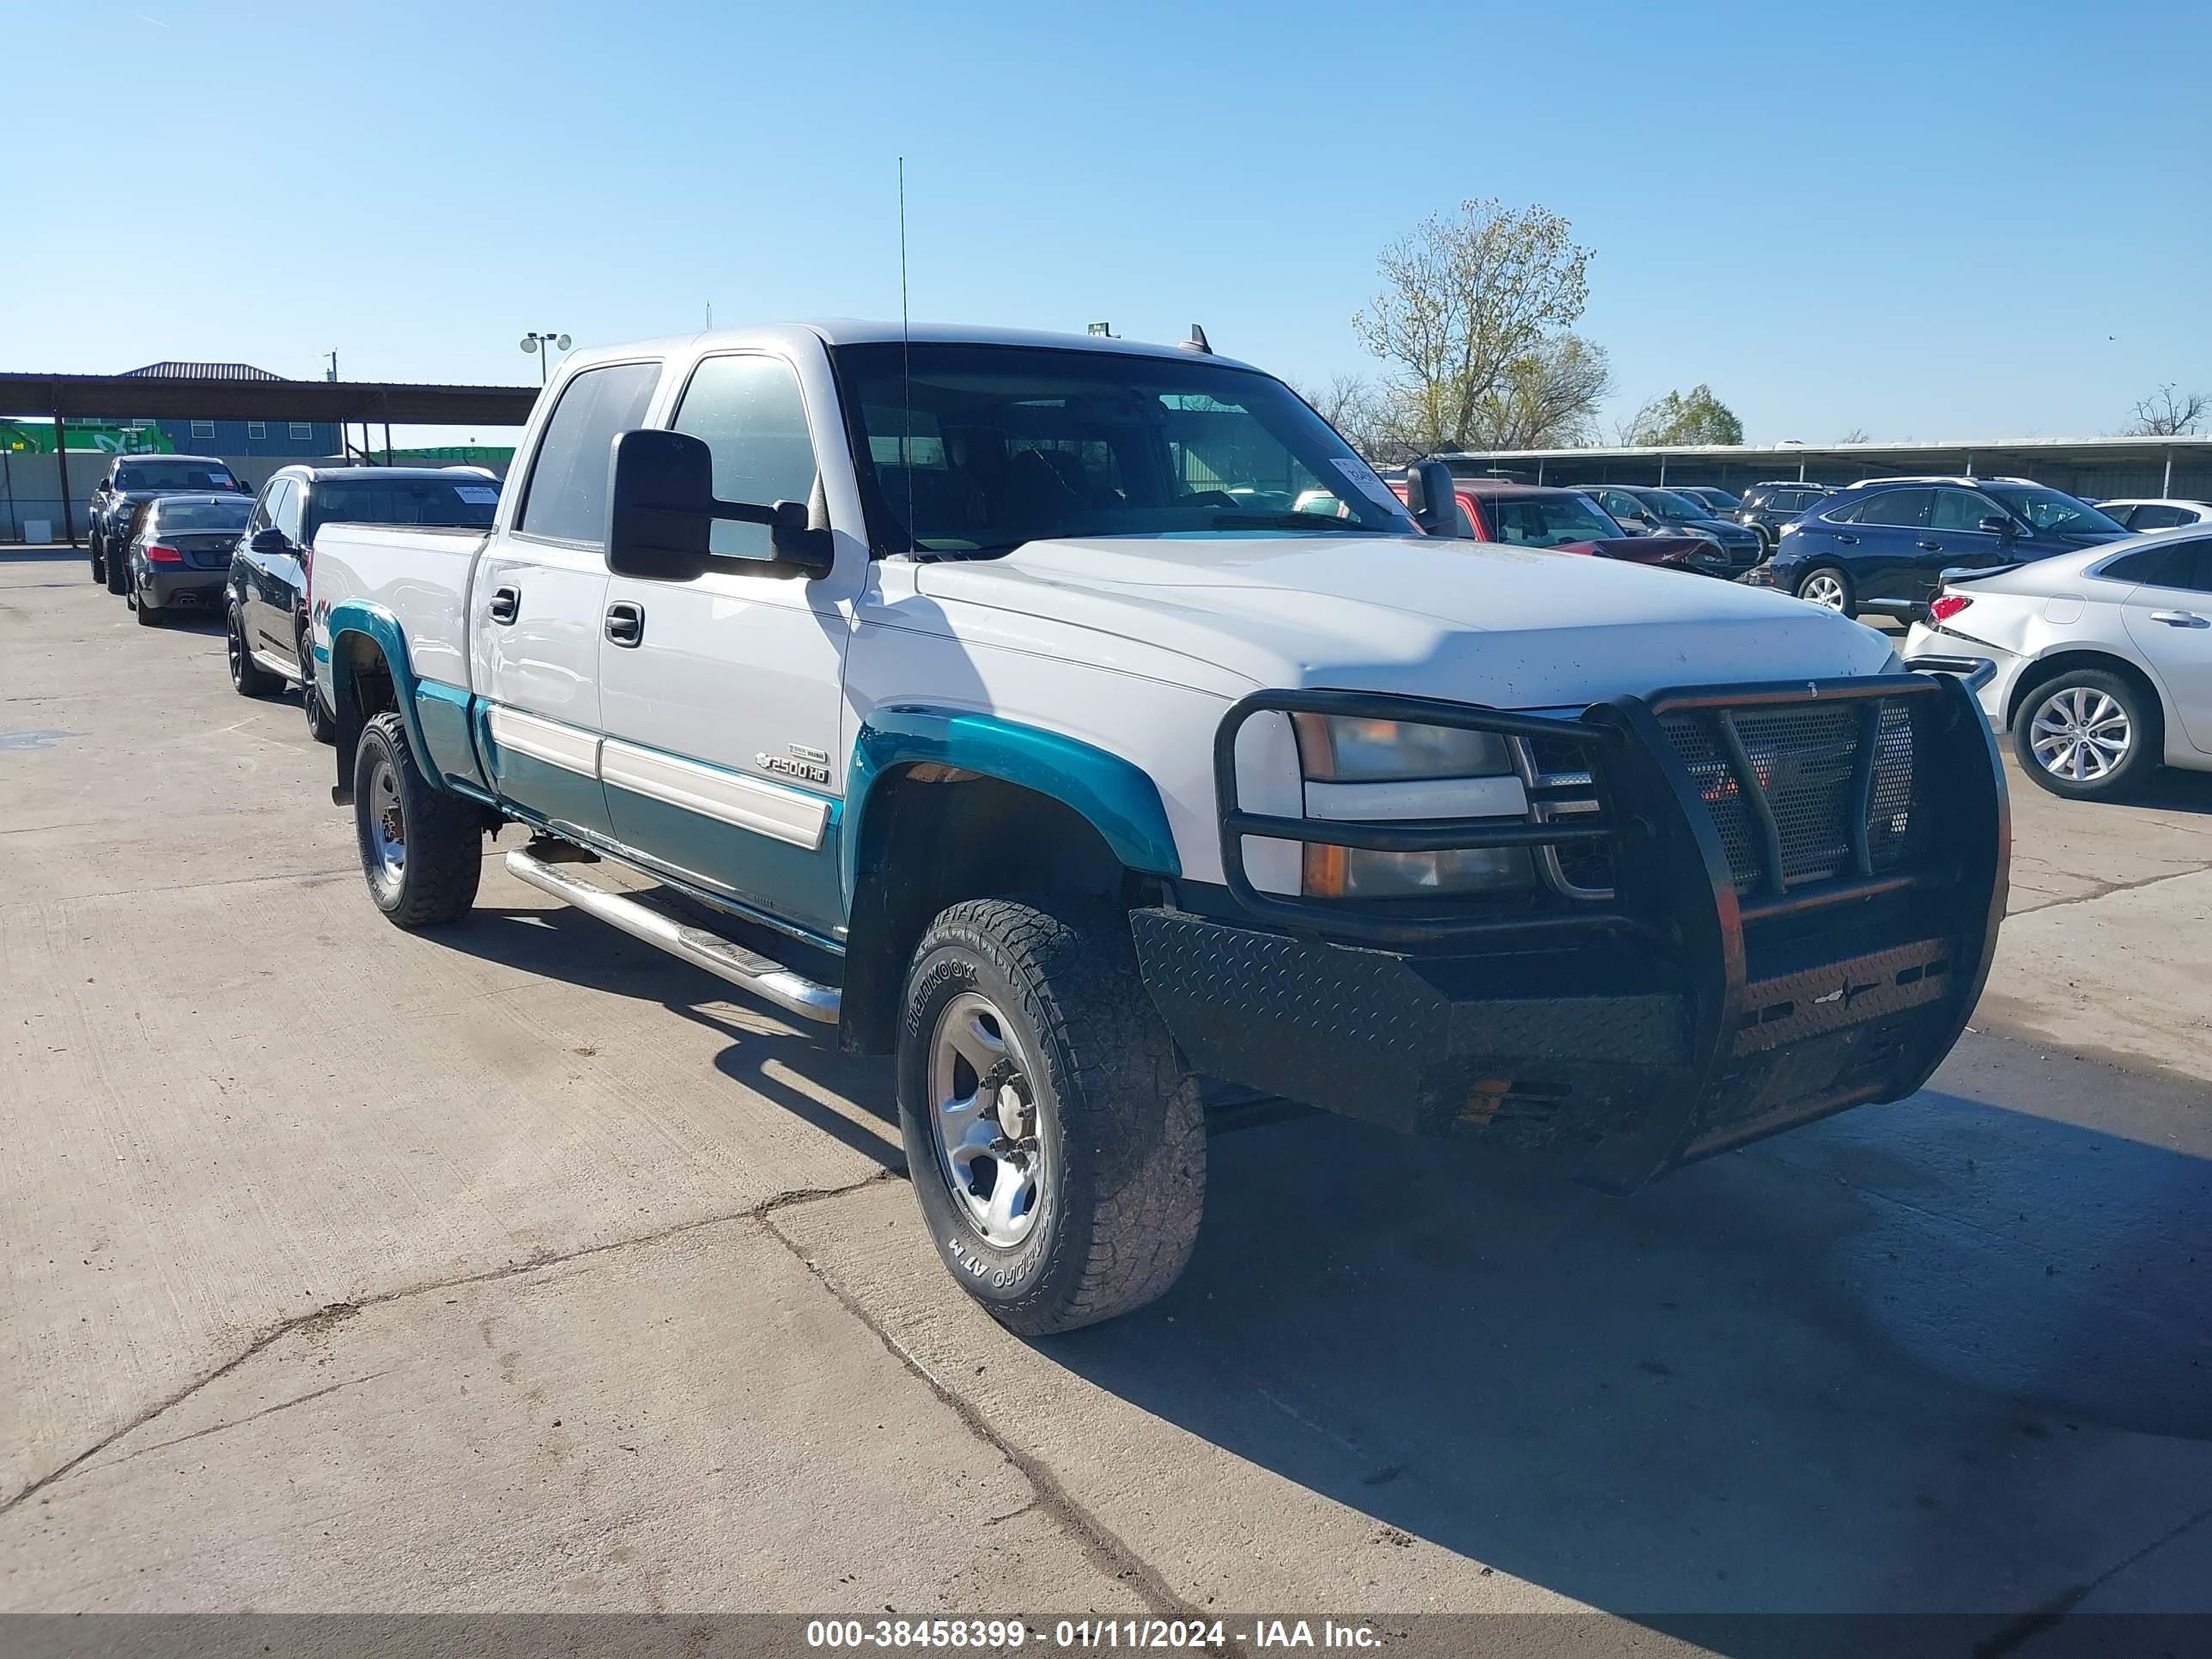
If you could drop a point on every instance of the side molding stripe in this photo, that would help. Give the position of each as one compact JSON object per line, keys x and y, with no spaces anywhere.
{"x":568,"y":747}
{"x":767,"y":809}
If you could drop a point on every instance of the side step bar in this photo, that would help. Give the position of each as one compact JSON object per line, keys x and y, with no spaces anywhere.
{"x":746,"y":969}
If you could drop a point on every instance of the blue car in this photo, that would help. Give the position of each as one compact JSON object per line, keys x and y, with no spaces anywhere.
{"x":1883,"y":545}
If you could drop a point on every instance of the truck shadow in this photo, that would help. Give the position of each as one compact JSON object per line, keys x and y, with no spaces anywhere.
{"x":1946,"y":1356}
{"x":1906,"y":1360}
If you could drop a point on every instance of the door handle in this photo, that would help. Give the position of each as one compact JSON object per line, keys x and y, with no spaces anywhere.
{"x":506,"y":604}
{"x":1848,"y":541}
{"x":625,"y":623}
{"x":1929,"y":547}
{"x":2181,"y":619}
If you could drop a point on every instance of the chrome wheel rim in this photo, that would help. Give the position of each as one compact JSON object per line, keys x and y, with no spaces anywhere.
{"x":307,"y":682}
{"x":982,"y":1117}
{"x":233,"y":647}
{"x":387,"y":826}
{"x":1825,"y":590}
{"x":2080,"y":734}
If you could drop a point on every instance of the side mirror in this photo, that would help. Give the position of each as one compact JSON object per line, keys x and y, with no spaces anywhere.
{"x":1997,"y":526}
{"x":1433,"y":499}
{"x":270,"y":542}
{"x":661,"y":513}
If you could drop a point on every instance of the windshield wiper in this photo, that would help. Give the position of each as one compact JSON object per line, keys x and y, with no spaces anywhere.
{"x":1310,"y":521}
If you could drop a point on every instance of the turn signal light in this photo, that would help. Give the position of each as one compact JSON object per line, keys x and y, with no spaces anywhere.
{"x":1948,"y":605}
{"x":162,"y":553}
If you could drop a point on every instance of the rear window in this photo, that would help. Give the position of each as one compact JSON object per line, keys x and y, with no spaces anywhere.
{"x":182,"y":517}
{"x":174,"y":475}
{"x":467,"y":501}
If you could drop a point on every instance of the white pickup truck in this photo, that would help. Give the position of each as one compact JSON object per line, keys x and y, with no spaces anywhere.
{"x":1074,"y":718}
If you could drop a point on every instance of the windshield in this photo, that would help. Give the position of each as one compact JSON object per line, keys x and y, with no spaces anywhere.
{"x":989,"y":447}
{"x":1672,"y":505}
{"x":468,"y":500}
{"x":173,"y":517}
{"x":2047,"y":509}
{"x":1549,"y":520}
{"x":175,"y":475}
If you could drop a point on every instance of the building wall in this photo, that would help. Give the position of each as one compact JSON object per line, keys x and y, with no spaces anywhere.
{"x":291,"y":440}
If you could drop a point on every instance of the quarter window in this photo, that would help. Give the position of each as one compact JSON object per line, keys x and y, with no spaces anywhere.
{"x":748,"y":412}
{"x":2155,"y":517}
{"x":567,"y":497}
{"x":2187,"y":566}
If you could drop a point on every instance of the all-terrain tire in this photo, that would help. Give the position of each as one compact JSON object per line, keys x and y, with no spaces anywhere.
{"x":438,"y":835}
{"x":1116,"y":1114}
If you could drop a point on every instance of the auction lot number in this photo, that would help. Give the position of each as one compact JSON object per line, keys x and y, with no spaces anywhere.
{"x":1000,"y":1633}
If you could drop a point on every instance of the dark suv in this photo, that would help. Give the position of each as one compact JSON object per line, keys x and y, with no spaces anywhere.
{"x":1883,"y":545}
{"x":269,"y":572}
{"x":120,"y":496}
{"x":1767,"y":507}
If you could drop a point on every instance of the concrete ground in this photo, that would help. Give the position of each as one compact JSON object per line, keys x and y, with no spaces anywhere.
{"x":516,"y":1268}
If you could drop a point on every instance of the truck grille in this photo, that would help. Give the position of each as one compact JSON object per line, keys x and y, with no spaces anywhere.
{"x":1805,"y":763}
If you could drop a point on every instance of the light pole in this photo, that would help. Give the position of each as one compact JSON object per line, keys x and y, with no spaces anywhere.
{"x":536,"y":344}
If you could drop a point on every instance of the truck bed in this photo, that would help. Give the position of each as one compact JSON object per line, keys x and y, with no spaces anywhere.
{"x":419,"y":573}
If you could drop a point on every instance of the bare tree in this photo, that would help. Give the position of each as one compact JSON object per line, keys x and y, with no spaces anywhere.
{"x":1349,"y":403}
{"x":1469,"y":298}
{"x":2166,"y":414}
{"x":1857,"y":435}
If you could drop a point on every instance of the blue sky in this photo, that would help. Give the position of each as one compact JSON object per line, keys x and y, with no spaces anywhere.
{"x":1928,"y":221}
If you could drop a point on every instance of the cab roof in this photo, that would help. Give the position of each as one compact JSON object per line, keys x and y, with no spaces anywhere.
{"x":859,"y":330}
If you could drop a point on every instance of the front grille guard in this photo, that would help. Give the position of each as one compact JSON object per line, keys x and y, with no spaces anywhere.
{"x":1643,"y":793}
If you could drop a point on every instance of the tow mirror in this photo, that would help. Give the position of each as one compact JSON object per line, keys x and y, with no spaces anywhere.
{"x":1433,"y":499}
{"x":661,"y":513}
{"x":1998,"y":526}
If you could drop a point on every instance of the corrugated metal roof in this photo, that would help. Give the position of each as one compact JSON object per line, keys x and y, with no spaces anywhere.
{"x":180,"y":371}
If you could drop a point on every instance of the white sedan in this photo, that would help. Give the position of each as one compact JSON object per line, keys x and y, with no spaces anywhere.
{"x":2100,"y":660}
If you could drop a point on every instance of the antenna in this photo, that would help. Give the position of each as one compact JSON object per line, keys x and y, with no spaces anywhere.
{"x":906,"y":366}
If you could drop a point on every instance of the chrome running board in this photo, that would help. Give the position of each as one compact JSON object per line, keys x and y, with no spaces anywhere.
{"x":746,"y":969}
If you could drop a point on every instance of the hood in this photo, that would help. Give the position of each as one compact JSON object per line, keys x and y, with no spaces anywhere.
{"x":1516,"y":628}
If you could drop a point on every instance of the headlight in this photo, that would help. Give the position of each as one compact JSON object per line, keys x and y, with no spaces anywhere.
{"x":1344,"y":753}
{"x":1338,"y":749}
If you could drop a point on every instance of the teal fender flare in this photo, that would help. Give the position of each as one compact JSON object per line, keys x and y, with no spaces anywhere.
{"x":1118,"y":797}
{"x":380,"y":629}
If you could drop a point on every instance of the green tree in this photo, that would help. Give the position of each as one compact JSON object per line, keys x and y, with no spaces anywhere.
{"x":1474,"y":307}
{"x":1692,"y":417}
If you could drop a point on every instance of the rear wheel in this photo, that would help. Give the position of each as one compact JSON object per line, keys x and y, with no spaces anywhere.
{"x":150,"y":614}
{"x":421,"y":849}
{"x":247,"y":678}
{"x":2088,"y":734}
{"x":1829,"y":588}
{"x":118,"y":571}
{"x":1054,"y":1141}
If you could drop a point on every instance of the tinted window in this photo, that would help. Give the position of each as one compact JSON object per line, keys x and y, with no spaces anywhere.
{"x":174,"y":475}
{"x":468,"y":500}
{"x":2154,"y":517}
{"x":184,"y":517}
{"x":989,"y":447}
{"x":2048,"y":509}
{"x":1962,"y":509}
{"x":1895,"y":506}
{"x":284,"y":512}
{"x":567,"y":497}
{"x":749,"y":411}
{"x":1548,"y":520}
{"x":2185,"y":565}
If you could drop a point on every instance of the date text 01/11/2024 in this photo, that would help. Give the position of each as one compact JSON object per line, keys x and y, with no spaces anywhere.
{"x":1088,"y":1635}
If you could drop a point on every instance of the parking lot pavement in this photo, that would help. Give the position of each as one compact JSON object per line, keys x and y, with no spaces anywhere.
{"x":514,"y":1267}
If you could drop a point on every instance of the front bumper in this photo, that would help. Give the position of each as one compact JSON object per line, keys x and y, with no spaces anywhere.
{"x":1678,"y":1017}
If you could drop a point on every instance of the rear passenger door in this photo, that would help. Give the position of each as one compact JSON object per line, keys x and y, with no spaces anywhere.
{"x":537,"y":601}
{"x":1885,"y":543}
{"x":722,"y":697}
{"x":2169,"y":618}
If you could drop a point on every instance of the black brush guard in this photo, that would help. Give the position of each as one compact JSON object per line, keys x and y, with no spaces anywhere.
{"x":1702,"y":1005}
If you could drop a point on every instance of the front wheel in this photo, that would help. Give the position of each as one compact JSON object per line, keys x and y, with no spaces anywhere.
{"x":99,"y":563}
{"x":247,"y":678}
{"x":321,"y":725}
{"x":421,"y":849}
{"x":1054,"y":1137}
{"x":2088,"y":734}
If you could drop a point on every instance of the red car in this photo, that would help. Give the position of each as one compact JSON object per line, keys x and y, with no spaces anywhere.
{"x":1568,"y":521}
